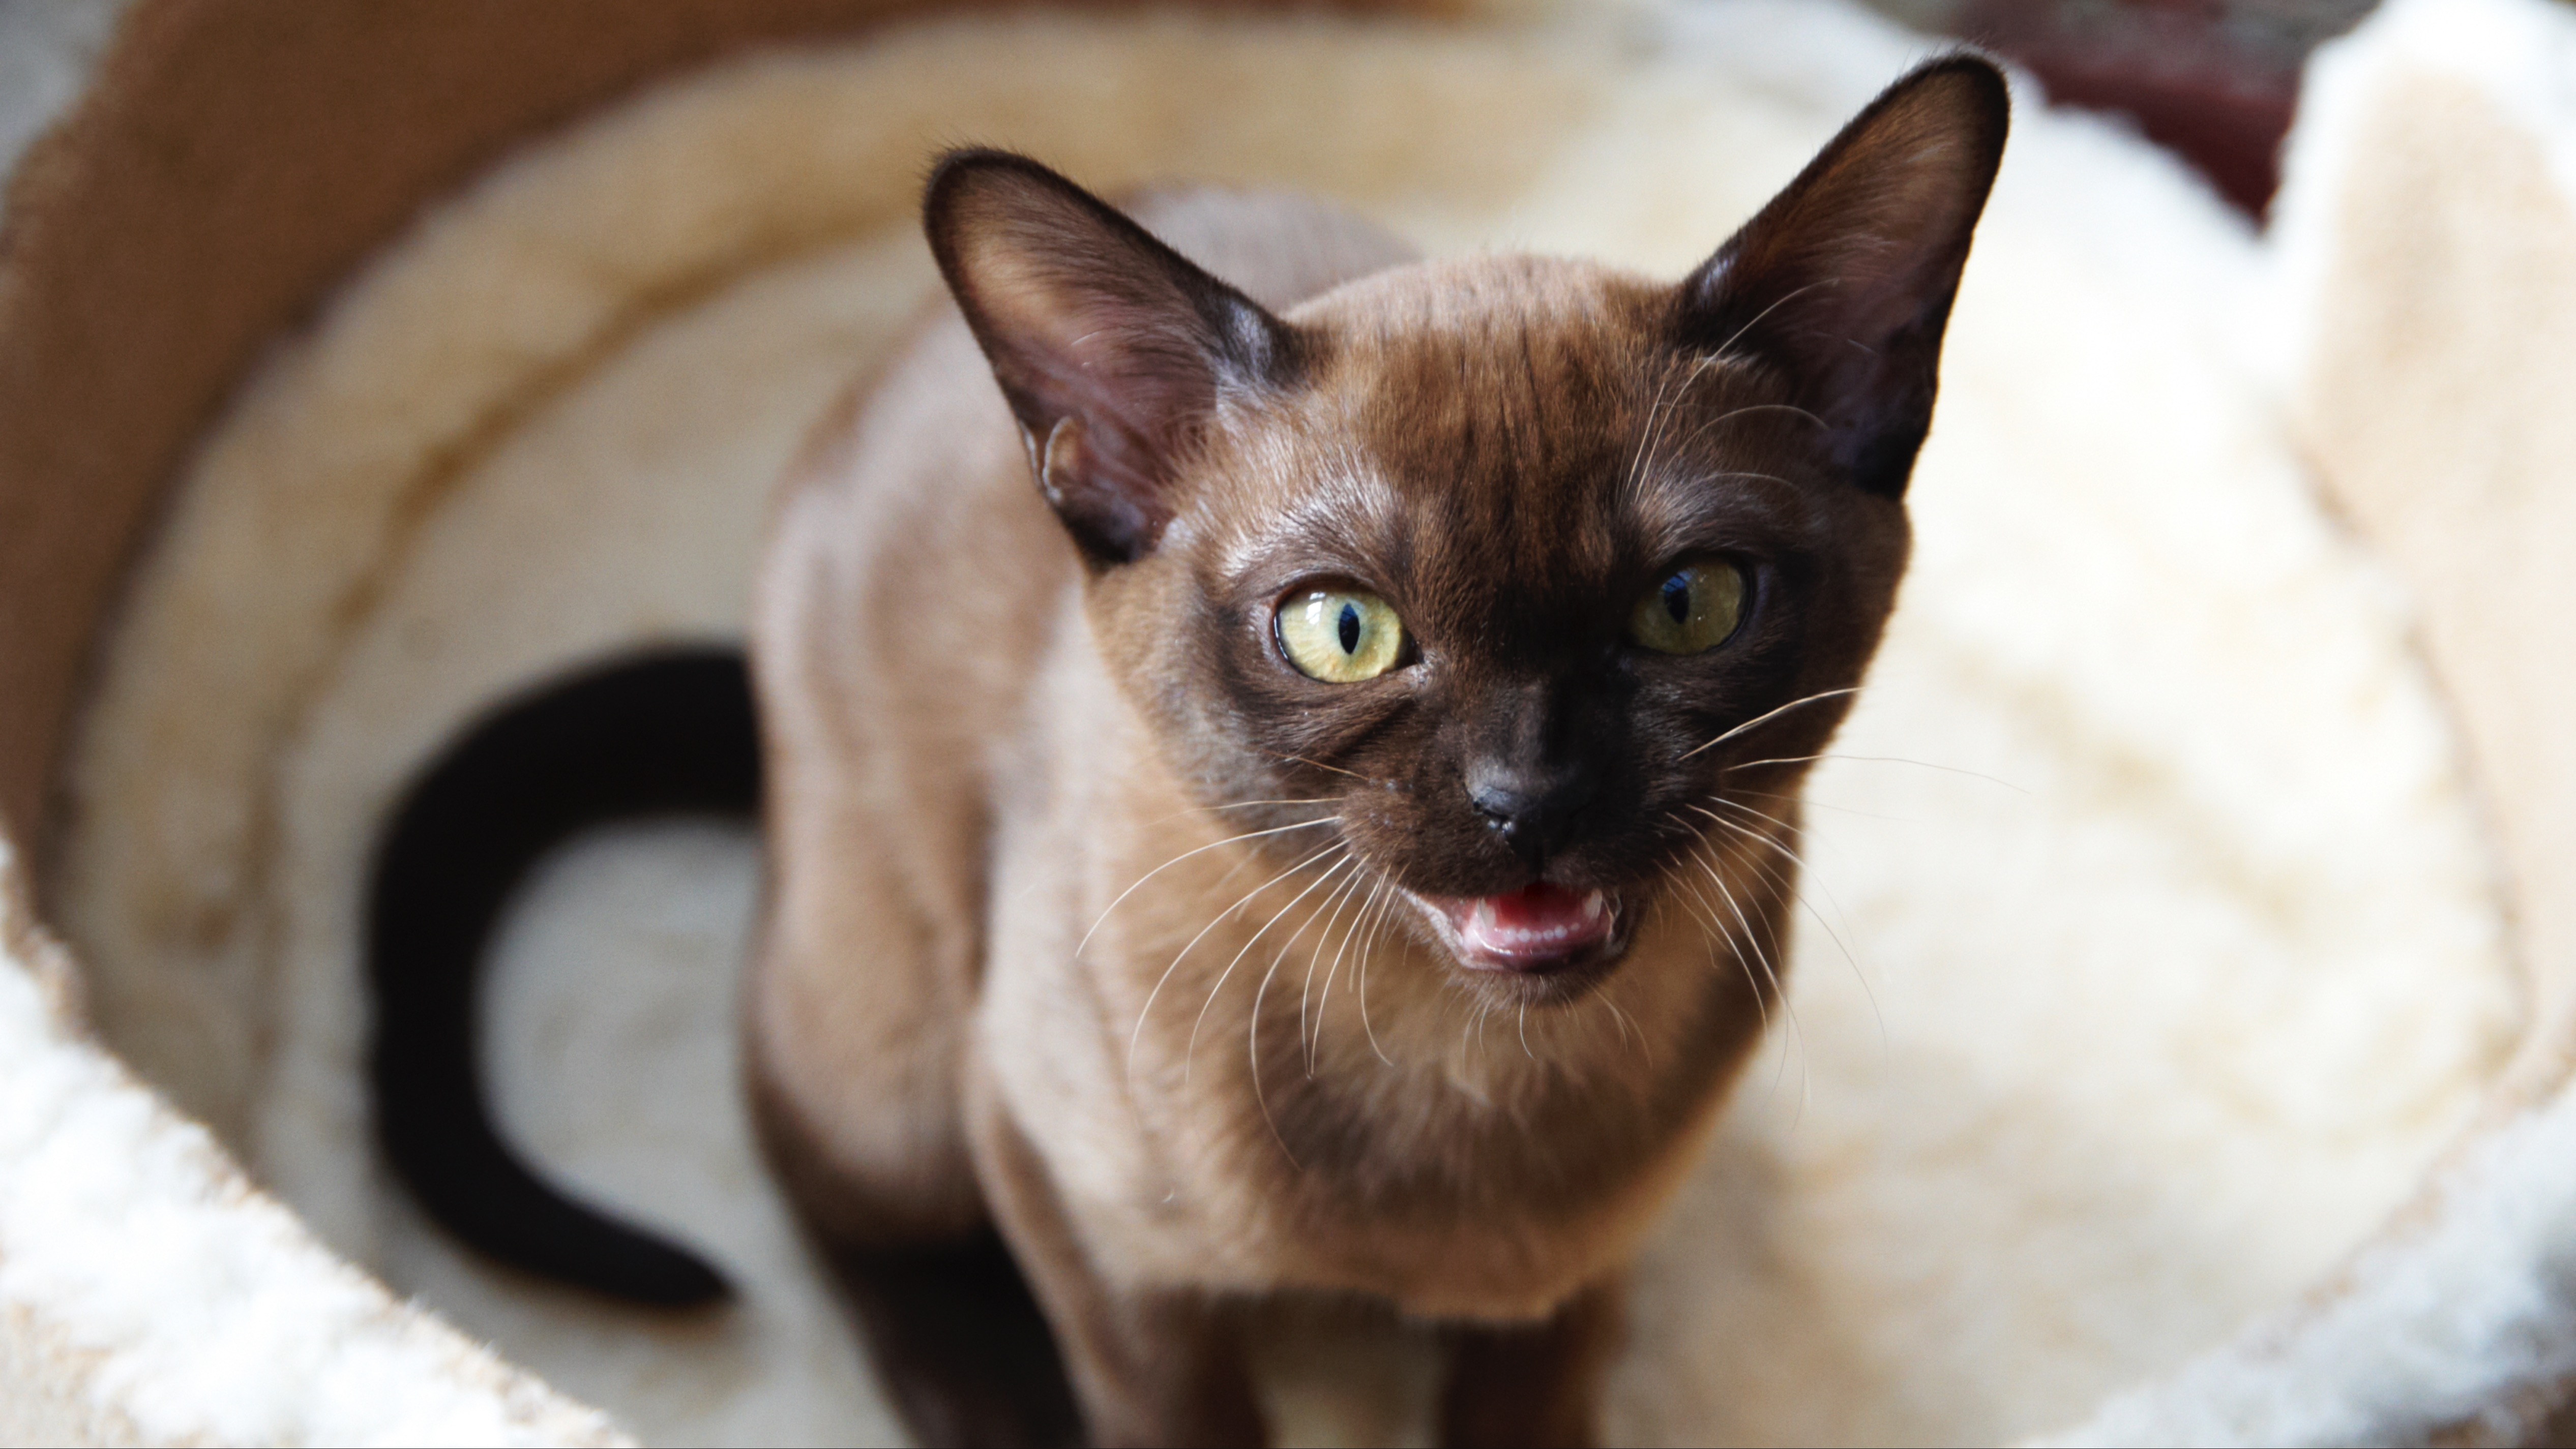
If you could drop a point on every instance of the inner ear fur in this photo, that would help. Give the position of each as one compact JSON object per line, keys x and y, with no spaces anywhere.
{"x":1111,"y":347}
{"x":1845,"y":279}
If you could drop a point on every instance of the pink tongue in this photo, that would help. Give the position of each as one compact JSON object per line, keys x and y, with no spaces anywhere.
{"x":1534,"y":923}
{"x":1538,"y":907}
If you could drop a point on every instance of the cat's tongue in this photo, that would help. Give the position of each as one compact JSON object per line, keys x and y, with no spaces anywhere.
{"x":1533,"y":928}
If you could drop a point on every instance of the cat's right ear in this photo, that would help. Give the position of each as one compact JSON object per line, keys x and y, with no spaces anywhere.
{"x":1112,"y":348}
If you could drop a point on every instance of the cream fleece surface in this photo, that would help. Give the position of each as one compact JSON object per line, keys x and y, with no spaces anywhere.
{"x":2153,"y":949}
{"x":150,"y":1294}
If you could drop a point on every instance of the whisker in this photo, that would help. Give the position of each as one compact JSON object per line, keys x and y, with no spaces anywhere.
{"x":1645,"y":1048}
{"x":1881,"y":760}
{"x":1147,"y":1010}
{"x":1800,"y":861}
{"x":1340,"y":899}
{"x":1637,"y":461}
{"x":1772,"y":714}
{"x":1707,"y":914}
{"x":1657,"y":416}
{"x":1790,"y":887}
{"x":1806,"y":866}
{"x":1758,"y":814}
{"x":1732,"y":413}
{"x":1729,"y":344}
{"x":1252,"y":1047}
{"x":1252,"y":1033}
{"x":1185,"y":855}
{"x":1320,"y":765}
{"x":1241,"y":805}
{"x":1189,"y":1053}
{"x":1343,"y":899}
{"x":1752,"y":941}
{"x":1655,"y":423}
{"x":1326,"y":1000}
{"x":1814,"y":842}
{"x":1797,"y":1031}
{"x":1812,"y":802}
{"x":1367,"y":950}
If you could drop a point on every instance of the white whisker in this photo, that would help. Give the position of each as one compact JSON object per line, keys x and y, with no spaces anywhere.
{"x":1729,"y":344}
{"x":1313,"y":1046}
{"x":1189,"y":1053}
{"x":1789,"y":886}
{"x":1645,"y":1048}
{"x":1337,"y":902}
{"x":1880,"y":760}
{"x":1147,"y":1010}
{"x":1721,"y":936}
{"x":1367,"y":950}
{"x":1252,"y":1033}
{"x":1772,"y":714}
{"x":1185,"y":855}
{"x":1797,"y":1032}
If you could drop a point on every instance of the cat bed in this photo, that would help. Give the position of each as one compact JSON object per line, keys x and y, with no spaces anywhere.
{"x":2178,"y":1039}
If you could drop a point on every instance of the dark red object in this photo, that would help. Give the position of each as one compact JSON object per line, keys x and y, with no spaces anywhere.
{"x":2214,"y":82}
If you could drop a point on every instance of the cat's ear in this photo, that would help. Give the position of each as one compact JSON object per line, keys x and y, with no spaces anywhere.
{"x":1112,"y":348}
{"x":1845,"y":279}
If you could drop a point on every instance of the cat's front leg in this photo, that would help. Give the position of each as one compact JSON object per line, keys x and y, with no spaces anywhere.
{"x":1150,"y":1367}
{"x":1535,"y":1385}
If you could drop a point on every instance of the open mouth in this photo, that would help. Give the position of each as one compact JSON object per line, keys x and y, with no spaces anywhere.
{"x":1537,"y":930}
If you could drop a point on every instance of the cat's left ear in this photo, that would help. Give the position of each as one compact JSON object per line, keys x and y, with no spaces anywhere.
{"x":1112,"y":348}
{"x":1845,"y":279}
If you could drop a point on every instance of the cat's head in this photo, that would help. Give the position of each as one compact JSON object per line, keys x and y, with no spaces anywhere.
{"x":1532,"y":576}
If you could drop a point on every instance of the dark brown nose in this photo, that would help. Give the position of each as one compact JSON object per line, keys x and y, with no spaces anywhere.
{"x":1532,"y":808}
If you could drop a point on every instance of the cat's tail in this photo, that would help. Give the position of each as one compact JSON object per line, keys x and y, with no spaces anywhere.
{"x":666,"y":732}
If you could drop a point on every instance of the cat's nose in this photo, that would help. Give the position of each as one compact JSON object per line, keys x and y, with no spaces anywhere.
{"x":1533,"y":810}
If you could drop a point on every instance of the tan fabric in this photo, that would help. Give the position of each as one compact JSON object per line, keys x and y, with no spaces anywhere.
{"x":2425,"y":262}
{"x":182,"y":217}
{"x":2440,"y":406}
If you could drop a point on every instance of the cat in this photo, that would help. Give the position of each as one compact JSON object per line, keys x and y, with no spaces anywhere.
{"x":1330,"y":837}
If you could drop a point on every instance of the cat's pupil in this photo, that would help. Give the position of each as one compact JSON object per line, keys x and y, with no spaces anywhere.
{"x":1350,"y":628}
{"x":1677,"y":591}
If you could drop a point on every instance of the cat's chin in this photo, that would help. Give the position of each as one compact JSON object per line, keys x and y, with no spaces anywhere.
{"x":1538,"y":942}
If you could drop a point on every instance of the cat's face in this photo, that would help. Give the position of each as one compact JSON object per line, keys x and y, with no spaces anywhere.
{"x":1491,"y":584}
{"x":1531,"y":577}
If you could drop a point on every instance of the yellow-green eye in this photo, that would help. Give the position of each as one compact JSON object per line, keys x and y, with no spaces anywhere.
{"x":1340,"y":637}
{"x":1691,"y":609}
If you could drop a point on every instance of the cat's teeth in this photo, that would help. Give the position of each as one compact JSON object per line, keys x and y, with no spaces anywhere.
{"x":1527,"y":928}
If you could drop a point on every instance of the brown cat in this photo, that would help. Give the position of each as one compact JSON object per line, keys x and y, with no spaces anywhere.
{"x":1326,"y":840}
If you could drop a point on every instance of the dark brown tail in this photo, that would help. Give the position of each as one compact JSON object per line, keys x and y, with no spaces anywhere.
{"x":670,"y":732}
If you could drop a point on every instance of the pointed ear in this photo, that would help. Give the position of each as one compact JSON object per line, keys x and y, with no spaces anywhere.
{"x":1845,"y":279}
{"x":1111,"y":347}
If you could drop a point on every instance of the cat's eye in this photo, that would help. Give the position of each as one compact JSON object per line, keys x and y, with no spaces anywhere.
{"x":1340,"y":636}
{"x":1690,"y":610}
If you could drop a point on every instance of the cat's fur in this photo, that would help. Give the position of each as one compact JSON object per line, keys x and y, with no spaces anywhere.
{"x":1095,"y":921}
